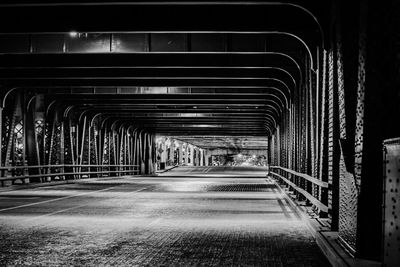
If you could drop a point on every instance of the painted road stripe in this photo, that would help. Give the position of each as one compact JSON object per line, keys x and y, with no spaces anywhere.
{"x":71,"y":208}
{"x":61,"y":198}
{"x":19,"y":197}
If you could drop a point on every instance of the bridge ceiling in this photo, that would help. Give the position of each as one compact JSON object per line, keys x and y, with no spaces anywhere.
{"x":237,"y":143}
{"x":217,"y":69}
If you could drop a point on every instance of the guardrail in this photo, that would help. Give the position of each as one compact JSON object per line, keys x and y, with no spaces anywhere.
{"x":316,"y":202}
{"x":71,"y":171}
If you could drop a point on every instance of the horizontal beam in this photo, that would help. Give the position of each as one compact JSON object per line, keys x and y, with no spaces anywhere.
{"x":147,"y":72}
{"x":139,"y":82}
{"x":240,"y":16}
{"x":307,"y":195}
{"x":179,"y":60}
{"x":302,"y":175}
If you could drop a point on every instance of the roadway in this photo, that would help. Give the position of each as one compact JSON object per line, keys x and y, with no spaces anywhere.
{"x":189,"y":216}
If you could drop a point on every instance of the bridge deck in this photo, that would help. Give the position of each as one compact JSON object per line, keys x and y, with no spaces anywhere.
{"x":153,"y":221}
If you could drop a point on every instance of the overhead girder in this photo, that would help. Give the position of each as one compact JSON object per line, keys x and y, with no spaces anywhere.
{"x":134,"y":16}
{"x":262,"y":115}
{"x":210,"y":120}
{"x":50,"y":43}
{"x":169,"y":102}
{"x":179,"y":92}
{"x":269,"y":115}
{"x":181,"y":109}
{"x":267,"y":124}
{"x":267,"y":120}
{"x":190,"y":103}
{"x":272,"y":80}
{"x":272,"y":121}
{"x":282,"y":71}
{"x":212,"y":142}
{"x":117,"y":122}
{"x":178,"y":115}
{"x":216,"y":131}
{"x":149,"y":73}
{"x":154,"y":60}
{"x":201,"y":120}
{"x":229,"y":97}
{"x":127,"y":108}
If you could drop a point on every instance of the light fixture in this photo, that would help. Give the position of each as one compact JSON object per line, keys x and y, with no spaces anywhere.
{"x":73,"y":34}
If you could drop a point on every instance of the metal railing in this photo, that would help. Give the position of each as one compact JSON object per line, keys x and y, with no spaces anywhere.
{"x":296,"y":187}
{"x":64,"y":171}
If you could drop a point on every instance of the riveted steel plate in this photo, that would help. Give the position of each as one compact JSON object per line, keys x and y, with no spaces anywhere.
{"x":391,"y":207}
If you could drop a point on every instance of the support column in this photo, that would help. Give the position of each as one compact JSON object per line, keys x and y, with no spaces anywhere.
{"x":191,"y":155}
{"x":201,"y":157}
{"x":180,"y":151}
{"x":186,"y":153}
{"x":206,"y":158}
{"x":152,"y":158}
{"x":195,"y":156}
{"x":1,"y":137}
{"x":163,"y":156}
{"x":32,"y":150}
{"x":171,"y":153}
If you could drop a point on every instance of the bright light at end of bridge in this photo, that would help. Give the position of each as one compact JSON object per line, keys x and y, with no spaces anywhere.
{"x":73,"y":34}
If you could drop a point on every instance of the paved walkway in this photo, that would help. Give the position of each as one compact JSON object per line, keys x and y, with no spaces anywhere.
{"x":155,"y":221}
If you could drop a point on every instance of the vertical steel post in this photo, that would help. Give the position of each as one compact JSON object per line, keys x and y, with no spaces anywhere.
{"x":1,"y":137}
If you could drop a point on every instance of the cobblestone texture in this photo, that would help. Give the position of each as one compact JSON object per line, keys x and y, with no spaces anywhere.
{"x":154,"y":222}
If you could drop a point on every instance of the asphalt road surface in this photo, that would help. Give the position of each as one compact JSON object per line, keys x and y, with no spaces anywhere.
{"x":185,"y":217}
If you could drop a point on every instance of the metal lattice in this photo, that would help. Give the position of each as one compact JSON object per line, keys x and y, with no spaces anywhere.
{"x":18,"y":155}
{"x":106,"y":149}
{"x":6,"y":135}
{"x":39,"y":131}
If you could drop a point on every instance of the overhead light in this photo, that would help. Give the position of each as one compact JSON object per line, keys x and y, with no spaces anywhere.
{"x":73,"y":34}
{"x":203,"y":125}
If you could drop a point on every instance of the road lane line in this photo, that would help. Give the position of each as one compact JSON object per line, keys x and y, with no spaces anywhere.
{"x":52,"y":213}
{"x":19,"y":197}
{"x":56,"y":199}
{"x":72,"y":208}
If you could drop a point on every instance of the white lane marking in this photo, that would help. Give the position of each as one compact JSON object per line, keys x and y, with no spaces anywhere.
{"x":52,"y":213}
{"x":18,"y":197}
{"x":72,"y":208}
{"x":56,"y":199}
